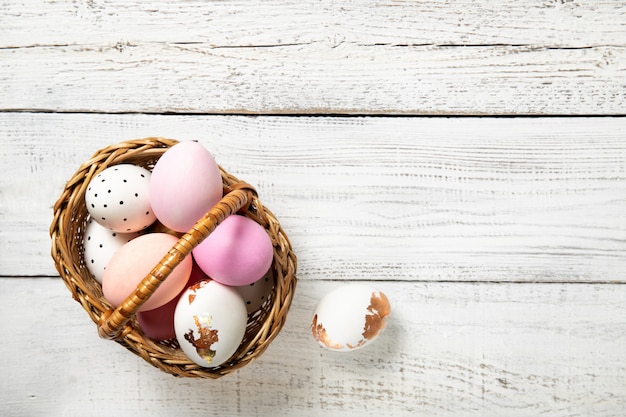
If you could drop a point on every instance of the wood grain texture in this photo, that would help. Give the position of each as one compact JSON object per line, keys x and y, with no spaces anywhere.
{"x":548,"y":23}
{"x":395,"y":199}
{"x":532,"y":57}
{"x":450,"y":349}
{"x":500,"y":242}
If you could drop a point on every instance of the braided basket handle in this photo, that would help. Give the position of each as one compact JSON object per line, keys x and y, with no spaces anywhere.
{"x":112,"y":323}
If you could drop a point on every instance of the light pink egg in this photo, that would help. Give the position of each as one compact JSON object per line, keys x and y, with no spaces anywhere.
{"x":133,"y":261}
{"x":185,"y":184}
{"x":238,"y":252}
{"x":158,"y":324}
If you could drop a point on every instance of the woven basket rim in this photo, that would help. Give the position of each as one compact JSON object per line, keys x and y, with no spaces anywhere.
{"x":69,"y":219}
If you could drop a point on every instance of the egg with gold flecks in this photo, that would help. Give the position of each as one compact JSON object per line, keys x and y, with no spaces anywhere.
{"x":350,"y":317}
{"x":210,"y":322}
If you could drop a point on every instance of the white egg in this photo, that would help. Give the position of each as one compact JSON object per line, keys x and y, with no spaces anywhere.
{"x":118,"y":198}
{"x":100,"y":245}
{"x":350,"y":317}
{"x":210,"y":322}
{"x":255,"y":295}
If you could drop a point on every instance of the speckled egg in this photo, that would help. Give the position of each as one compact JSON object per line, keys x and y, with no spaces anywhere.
{"x":256,"y":294}
{"x":350,"y":317}
{"x":118,"y":198}
{"x":100,"y":244}
{"x":210,"y":322}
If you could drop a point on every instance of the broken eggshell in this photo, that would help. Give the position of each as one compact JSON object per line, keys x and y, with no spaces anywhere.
{"x":350,"y":317}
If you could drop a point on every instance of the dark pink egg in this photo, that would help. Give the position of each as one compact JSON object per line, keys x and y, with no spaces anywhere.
{"x":158,"y":324}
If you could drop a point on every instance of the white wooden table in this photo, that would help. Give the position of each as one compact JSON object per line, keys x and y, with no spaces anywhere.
{"x":380,"y":134}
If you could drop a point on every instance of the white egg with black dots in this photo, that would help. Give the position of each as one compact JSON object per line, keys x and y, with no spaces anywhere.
{"x":100,"y":245}
{"x":118,"y":198}
{"x":257,"y":294}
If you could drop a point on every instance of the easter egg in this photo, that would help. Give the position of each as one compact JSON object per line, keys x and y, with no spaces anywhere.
{"x":134,"y":261}
{"x":185,"y":184}
{"x":210,"y":322}
{"x":158,"y":324}
{"x":100,"y":244}
{"x":238,"y":252}
{"x":350,"y":317}
{"x":256,"y":294}
{"x":118,"y":198}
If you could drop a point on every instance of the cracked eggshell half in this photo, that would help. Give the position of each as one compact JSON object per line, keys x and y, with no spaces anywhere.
{"x":210,"y":322}
{"x":350,"y":317}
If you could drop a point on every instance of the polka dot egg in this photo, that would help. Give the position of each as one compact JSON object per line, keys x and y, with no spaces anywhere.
{"x":100,"y":244}
{"x":118,"y":198}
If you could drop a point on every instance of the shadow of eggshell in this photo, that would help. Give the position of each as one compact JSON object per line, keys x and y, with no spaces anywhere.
{"x":134,"y":261}
{"x":158,"y":324}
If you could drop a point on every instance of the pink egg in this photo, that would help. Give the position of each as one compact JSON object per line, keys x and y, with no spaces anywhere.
{"x":158,"y":324}
{"x":238,"y":252}
{"x":133,"y":261}
{"x":185,"y":184}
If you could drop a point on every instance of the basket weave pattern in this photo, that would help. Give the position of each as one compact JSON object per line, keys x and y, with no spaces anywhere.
{"x":120,"y":324}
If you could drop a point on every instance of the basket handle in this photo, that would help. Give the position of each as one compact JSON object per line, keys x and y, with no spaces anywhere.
{"x":112,"y":323}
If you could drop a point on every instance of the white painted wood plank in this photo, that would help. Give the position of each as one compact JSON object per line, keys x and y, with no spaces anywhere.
{"x":583,"y":23}
{"x":478,"y":57}
{"x":450,"y":350}
{"x":417,"y":199}
{"x":316,"y":78}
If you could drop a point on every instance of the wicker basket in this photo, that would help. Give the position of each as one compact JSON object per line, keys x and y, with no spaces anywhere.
{"x":120,"y":324}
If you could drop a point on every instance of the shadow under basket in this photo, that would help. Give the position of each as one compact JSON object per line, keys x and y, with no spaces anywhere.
{"x":120,"y":324}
